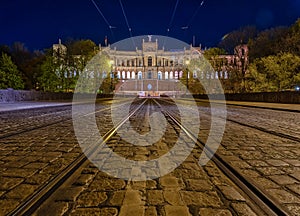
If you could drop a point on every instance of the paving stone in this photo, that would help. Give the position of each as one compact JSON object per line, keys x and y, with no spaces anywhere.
{"x":117,"y":198}
{"x":231,"y":193}
{"x":86,"y":212}
{"x":91,"y":199}
{"x":8,"y":205}
{"x":132,"y":210}
{"x":83,"y":179}
{"x":283,"y":196}
{"x":7,"y":183}
{"x":243,"y":209}
{"x":257,"y":163}
{"x":155,"y":197}
{"x":109,"y":211}
{"x":176,"y":210}
{"x":265,"y":183}
{"x":293,"y":209}
{"x":277,"y":163}
{"x":21,"y":191}
{"x":283,"y":179}
{"x":295,"y":188}
{"x":107,"y":184}
{"x":293,"y":162}
{"x":18,"y":172}
{"x":56,"y":208}
{"x":201,"y":199}
{"x":38,"y":178}
{"x":150,"y":211}
{"x":169,"y":182}
{"x":214,"y":212}
{"x":133,"y":197}
{"x":173,"y":197}
{"x":269,"y":171}
{"x":198,"y":185}
{"x":69,"y":194}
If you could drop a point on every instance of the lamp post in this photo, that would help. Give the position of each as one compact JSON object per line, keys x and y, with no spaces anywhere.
{"x":187,"y":62}
{"x":111,"y":62}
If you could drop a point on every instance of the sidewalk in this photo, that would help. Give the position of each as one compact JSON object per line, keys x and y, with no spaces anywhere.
{"x":264,"y":105}
{"x":29,"y":105}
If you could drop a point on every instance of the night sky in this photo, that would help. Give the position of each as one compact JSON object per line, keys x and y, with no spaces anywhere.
{"x":39,"y":24}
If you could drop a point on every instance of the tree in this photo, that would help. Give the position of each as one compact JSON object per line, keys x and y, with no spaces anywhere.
{"x":274,"y":73}
{"x":268,"y":42}
{"x":10,"y":77}
{"x":234,"y":38}
{"x":49,"y":80}
{"x":21,"y":56}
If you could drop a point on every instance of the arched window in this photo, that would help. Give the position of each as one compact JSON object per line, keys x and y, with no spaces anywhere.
{"x":128,"y":74}
{"x":171,"y":74}
{"x":140,"y":75}
{"x":180,"y":74}
{"x":176,"y":74}
{"x":123,"y":75}
{"x":159,"y":75}
{"x":132,"y":75}
{"x":217,"y":75}
{"x":166,"y":75}
{"x":225,"y":75}
{"x":119,"y":75}
{"x":149,"y":61}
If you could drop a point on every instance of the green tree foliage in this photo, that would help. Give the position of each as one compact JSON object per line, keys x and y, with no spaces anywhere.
{"x":60,"y":72}
{"x":268,"y":42}
{"x":10,"y":77}
{"x":274,"y":73}
{"x":292,"y":40}
{"x":48,"y":79}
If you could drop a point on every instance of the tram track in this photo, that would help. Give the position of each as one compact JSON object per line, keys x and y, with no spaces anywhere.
{"x":268,"y":131}
{"x":44,"y":192}
{"x":28,"y":127}
{"x":254,"y":193}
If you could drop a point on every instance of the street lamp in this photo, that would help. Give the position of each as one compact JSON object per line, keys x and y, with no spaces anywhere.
{"x":111,"y":62}
{"x":187,"y":62}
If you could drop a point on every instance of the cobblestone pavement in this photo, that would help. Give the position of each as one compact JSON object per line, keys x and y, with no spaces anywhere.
{"x":30,"y":159}
{"x":188,"y":190}
{"x":270,"y":162}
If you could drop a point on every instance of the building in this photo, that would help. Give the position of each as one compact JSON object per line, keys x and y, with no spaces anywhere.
{"x":150,"y":70}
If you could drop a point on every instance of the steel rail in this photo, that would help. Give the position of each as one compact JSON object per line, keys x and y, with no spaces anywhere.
{"x":278,"y":134}
{"x":28,"y":129}
{"x":257,"y":195}
{"x":32,"y":203}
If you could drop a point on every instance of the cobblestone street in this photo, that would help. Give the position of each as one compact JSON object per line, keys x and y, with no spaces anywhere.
{"x":38,"y":145}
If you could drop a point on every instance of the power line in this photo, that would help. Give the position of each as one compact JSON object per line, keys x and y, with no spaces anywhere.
{"x":127,"y":23}
{"x":172,"y":17}
{"x":106,"y":21}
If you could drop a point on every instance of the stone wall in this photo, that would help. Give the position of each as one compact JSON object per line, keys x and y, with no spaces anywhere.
{"x":292,"y":97}
{"x":11,"y":95}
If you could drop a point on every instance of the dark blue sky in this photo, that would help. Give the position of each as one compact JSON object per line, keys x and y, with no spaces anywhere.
{"x":38,"y":24}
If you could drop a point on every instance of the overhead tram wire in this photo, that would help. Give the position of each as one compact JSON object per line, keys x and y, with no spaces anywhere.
{"x":171,"y":20}
{"x":127,"y":23}
{"x":106,"y":21}
{"x":186,"y":27}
